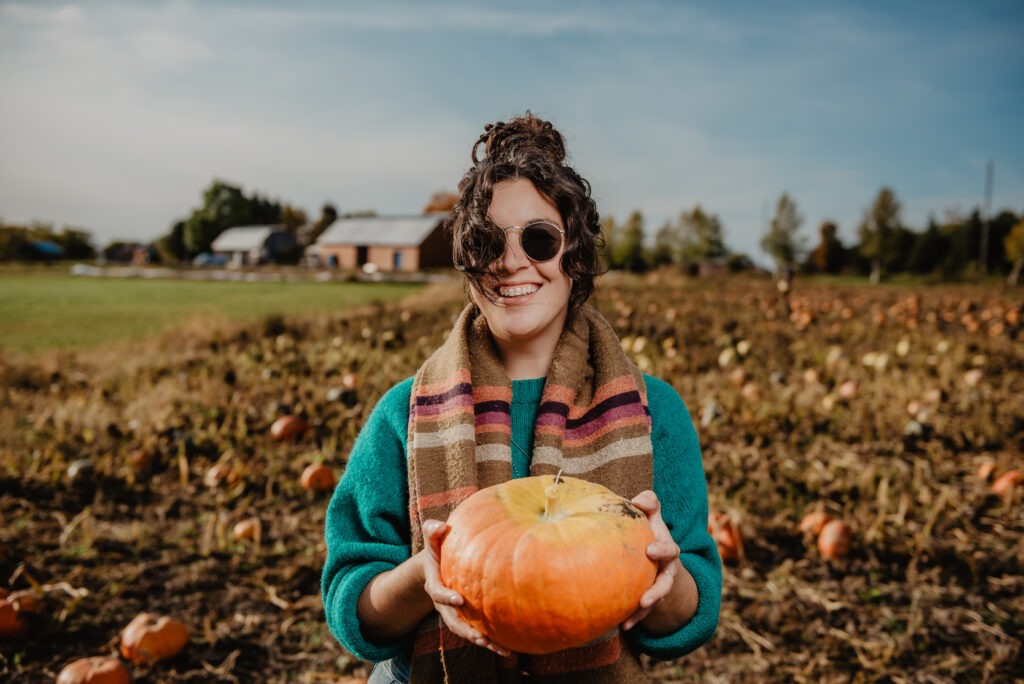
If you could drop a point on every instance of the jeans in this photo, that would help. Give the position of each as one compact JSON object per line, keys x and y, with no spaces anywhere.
{"x":394,"y":671}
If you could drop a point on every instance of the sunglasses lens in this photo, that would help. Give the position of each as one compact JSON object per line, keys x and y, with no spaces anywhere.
{"x":541,"y":241}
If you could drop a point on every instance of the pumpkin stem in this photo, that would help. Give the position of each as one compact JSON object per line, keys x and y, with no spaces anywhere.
{"x":551,"y":495}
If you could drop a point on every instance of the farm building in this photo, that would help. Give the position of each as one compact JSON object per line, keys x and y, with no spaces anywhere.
{"x":249,"y":245}
{"x":411,"y":243}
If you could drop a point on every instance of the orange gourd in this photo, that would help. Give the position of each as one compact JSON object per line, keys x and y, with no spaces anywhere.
{"x":814,"y":521}
{"x":248,"y":529}
{"x":726,"y":533}
{"x":317,"y":477}
{"x":1005,"y":483}
{"x":986,"y":470}
{"x":11,"y":621}
{"x":96,"y":670}
{"x":288,"y":428}
{"x":545,"y":563}
{"x":149,"y":638}
{"x":834,"y":539}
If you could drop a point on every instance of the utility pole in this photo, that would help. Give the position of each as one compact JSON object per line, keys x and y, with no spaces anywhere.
{"x":987,"y":218}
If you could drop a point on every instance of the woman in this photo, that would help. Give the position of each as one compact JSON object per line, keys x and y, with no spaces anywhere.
{"x":531,"y":381}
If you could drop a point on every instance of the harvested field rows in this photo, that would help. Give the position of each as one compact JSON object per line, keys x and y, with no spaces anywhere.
{"x":890,"y":408}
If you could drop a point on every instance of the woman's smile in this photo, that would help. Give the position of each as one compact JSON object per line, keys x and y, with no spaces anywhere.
{"x":516,"y":293}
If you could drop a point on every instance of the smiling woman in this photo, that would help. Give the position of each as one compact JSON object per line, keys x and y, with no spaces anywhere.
{"x":530,"y":382}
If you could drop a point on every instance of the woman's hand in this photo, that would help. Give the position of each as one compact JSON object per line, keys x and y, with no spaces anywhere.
{"x":445,"y":600}
{"x":667,"y":585}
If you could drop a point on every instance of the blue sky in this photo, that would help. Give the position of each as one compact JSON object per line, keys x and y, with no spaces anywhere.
{"x":117,"y":114}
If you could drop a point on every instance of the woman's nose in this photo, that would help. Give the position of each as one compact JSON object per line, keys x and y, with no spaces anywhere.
{"x":513,"y":258}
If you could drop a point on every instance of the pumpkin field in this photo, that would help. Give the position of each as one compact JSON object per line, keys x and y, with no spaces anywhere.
{"x":146,"y":478}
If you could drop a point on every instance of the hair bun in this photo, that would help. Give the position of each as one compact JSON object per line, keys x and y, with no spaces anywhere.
{"x":504,"y":140}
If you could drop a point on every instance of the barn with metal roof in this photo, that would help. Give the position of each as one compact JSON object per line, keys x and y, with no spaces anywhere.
{"x":395,"y":243}
{"x":249,"y":245}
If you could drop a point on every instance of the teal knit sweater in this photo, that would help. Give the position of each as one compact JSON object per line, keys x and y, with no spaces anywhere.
{"x":367,"y":526}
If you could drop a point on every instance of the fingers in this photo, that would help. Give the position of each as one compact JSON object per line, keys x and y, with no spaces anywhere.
{"x":647,"y":501}
{"x":635,"y":619}
{"x":660,"y":589}
{"x":434,"y":532}
{"x":462,"y":630}
{"x":661,"y":550}
{"x":446,"y":602}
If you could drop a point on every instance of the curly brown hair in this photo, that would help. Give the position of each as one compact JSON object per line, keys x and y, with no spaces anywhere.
{"x":528,"y":148}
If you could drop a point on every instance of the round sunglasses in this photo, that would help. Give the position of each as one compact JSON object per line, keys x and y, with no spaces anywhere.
{"x":540,"y":241}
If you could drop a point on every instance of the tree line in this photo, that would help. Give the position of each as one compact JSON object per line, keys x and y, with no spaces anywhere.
{"x":958,"y":245}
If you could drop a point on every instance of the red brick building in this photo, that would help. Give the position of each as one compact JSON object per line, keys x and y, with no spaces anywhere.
{"x":411,"y":243}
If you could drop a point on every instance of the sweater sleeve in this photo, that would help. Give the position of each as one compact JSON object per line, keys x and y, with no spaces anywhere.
{"x":681,"y":487}
{"x":367,"y":524}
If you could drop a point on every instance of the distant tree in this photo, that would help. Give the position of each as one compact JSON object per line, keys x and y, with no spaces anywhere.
{"x":1013,"y":243}
{"x":782,"y":241}
{"x":77,"y":243}
{"x":171,"y":247}
{"x":929,"y":250}
{"x":877,"y":230}
{"x":610,"y":231}
{"x":292,"y":218}
{"x":14,"y":243}
{"x":226,"y":206}
{"x":666,"y":248}
{"x":830,"y":254}
{"x":263,"y":212}
{"x":441,"y":202}
{"x":737,"y":262}
{"x":901,"y":242}
{"x":118,"y":251}
{"x":962,"y":235}
{"x":702,"y":236}
{"x":628,"y":252}
{"x":999,"y":227}
{"x":328,"y":215}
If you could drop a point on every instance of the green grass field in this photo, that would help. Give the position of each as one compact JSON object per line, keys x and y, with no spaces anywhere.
{"x":47,"y":311}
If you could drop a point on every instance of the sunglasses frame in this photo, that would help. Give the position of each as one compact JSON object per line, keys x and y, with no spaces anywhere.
{"x":506,"y":229}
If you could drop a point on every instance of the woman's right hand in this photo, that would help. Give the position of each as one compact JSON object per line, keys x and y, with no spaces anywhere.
{"x":445,"y":600}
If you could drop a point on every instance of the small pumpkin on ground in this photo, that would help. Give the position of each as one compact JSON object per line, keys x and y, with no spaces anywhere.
{"x":318,"y":477}
{"x":12,"y":623}
{"x":1006,"y":482}
{"x":726,"y":533}
{"x":288,"y":428}
{"x":95,"y":670}
{"x":580,"y":561}
{"x":149,"y":638}
{"x":814,"y":521}
{"x":834,"y":539}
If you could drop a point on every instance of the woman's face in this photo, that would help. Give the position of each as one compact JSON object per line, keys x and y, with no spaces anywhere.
{"x":531,"y":299}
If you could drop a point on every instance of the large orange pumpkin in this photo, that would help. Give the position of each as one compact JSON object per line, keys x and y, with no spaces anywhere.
{"x":149,"y":638}
{"x":547,"y":563}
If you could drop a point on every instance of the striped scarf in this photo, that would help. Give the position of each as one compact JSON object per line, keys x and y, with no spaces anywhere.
{"x":592,"y":423}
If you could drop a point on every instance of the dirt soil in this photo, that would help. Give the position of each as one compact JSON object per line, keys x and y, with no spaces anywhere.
{"x":883,"y":407}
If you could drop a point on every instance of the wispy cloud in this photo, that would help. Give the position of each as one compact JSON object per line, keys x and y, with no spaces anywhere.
{"x":34,"y":14}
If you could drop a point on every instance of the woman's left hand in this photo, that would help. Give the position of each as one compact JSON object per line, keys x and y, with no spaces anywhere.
{"x":664,"y":551}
